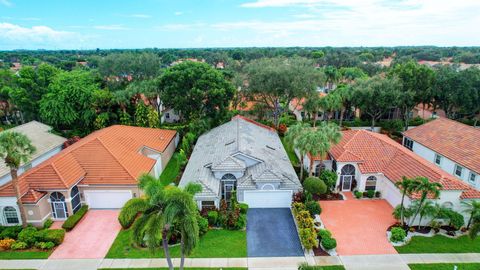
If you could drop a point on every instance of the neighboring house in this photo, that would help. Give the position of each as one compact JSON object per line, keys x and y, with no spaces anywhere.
{"x":100,"y":170}
{"x":46,"y":144}
{"x":451,"y":145}
{"x":366,"y":160}
{"x":243,"y":156}
{"x":170,"y":116}
{"x":427,"y":112}
{"x":296,"y":107}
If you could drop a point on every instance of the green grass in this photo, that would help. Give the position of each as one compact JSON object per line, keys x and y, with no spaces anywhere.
{"x":24,"y":255}
{"x":445,"y":266}
{"x":333,"y":267}
{"x":291,"y":154}
{"x":441,"y":244}
{"x":214,"y":244}
{"x":171,"y":171}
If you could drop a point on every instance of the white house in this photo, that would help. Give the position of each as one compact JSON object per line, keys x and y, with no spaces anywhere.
{"x":452,"y":146}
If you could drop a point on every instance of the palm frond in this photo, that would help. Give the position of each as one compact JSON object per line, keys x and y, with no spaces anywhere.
{"x":130,"y":211}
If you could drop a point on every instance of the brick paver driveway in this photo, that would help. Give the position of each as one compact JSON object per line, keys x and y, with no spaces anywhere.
{"x":91,"y":238}
{"x":359,"y":225}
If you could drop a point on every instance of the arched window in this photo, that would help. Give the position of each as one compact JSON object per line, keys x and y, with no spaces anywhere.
{"x":371,"y":183}
{"x":229,"y":184}
{"x":11,"y":215}
{"x":75,"y":196}
{"x":447,"y":205}
{"x":59,"y":208}
{"x":229,"y":176}
{"x":348,"y":169}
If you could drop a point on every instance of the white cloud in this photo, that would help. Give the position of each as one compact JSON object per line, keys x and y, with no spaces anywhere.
{"x":178,"y":13}
{"x":111,"y":27}
{"x":6,"y":3}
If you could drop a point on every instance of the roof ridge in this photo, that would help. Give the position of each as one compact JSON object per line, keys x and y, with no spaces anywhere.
{"x":114,"y":157}
{"x":58,"y":173}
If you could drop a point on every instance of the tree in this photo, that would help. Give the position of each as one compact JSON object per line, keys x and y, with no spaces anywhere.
{"x":472,"y":208}
{"x":330,"y":179}
{"x":342,"y":94}
{"x":292,"y":138}
{"x":332,"y":75}
{"x":196,"y":90}
{"x":312,"y":106}
{"x":407,"y":186}
{"x":376,"y":95}
{"x":162,"y":211}
{"x":444,"y":89}
{"x":425,"y":188}
{"x":475,"y":229}
{"x":16,"y":148}
{"x":276,"y":81}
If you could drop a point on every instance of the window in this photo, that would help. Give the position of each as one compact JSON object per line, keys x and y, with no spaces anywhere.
{"x":438,"y":159}
{"x":458,"y":170}
{"x":472,"y":177}
{"x":229,"y":185}
{"x":167,"y":115}
{"x":11,"y":215}
{"x":208,"y":205}
{"x":448,"y":205}
{"x":371,"y":183}
{"x":75,"y":196}
{"x":319,"y":168}
{"x":408,"y":143}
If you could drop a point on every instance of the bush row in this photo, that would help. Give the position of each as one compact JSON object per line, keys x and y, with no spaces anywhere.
{"x":368,"y":194}
{"x":73,"y":220}
{"x":16,"y":238}
{"x":306,"y":226}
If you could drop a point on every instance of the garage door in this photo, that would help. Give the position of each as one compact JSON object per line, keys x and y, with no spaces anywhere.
{"x":107,"y":199}
{"x":268,"y":199}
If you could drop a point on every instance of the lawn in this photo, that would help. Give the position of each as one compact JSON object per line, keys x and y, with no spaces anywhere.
{"x":291,"y":154}
{"x":440,"y":244}
{"x":214,"y":244}
{"x":24,"y":255}
{"x":445,"y":266}
{"x":171,"y":171}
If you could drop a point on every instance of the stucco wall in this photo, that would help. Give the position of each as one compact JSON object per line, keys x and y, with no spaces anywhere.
{"x":39,"y":212}
{"x":168,"y":153}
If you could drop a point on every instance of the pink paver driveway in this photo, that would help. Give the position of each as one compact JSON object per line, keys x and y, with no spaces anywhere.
{"x":91,"y":238}
{"x":359,"y":225}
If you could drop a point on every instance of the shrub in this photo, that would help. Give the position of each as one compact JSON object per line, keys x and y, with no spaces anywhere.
{"x":329,"y":178}
{"x":378,"y":194}
{"x":324,"y":233}
{"x":329,"y":243}
{"x":241,"y":222}
{"x":298,"y":206}
{"x":202,"y":225}
{"x":47,"y":224}
{"x":308,"y":238}
{"x":315,"y":186}
{"x":11,"y":232}
{"x":358,"y":194}
{"x":19,"y":245}
{"x":56,"y":236}
{"x":6,"y":243}
{"x":370,"y":193}
{"x":305,"y":266}
{"x":282,"y":129}
{"x":299,"y":197}
{"x":28,"y":236}
{"x":212,"y":217}
{"x":304,"y":220}
{"x":456,"y":219}
{"x":73,"y":220}
{"x":44,"y":245}
{"x":397,"y":234}
{"x":313,"y":207}
{"x":243,"y":208}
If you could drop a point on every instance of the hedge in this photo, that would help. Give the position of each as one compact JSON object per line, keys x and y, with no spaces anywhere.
{"x":72,"y":221}
{"x":50,"y":235}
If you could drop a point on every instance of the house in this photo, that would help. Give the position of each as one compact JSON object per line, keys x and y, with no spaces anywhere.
{"x":100,"y":170}
{"x":46,"y":143}
{"x":296,"y":107}
{"x":452,"y":146}
{"x":367,"y":160}
{"x":243,"y":156}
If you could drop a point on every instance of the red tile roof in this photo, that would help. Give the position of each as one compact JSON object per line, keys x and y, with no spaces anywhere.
{"x":451,"y":139}
{"x":110,"y":156}
{"x":298,"y":103}
{"x":377,"y":153}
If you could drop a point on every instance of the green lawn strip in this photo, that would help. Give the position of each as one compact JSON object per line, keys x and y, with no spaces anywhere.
{"x":214,"y":244}
{"x":333,"y":267}
{"x":441,"y":244}
{"x":171,"y":171}
{"x":189,"y":268}
{"x":24,"y":255}
{"x":291,"y":153}
{"x":445,"y":266}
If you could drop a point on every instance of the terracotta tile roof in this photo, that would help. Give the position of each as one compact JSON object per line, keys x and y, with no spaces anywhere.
{"x":111,"y":156}
{"x":298,"y":103}
{"x":451,"y":139}
{"x":377,"y":153}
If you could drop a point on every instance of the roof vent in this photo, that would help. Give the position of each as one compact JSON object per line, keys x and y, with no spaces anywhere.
{"x":230,"y":142}
{"x":269,"y":147}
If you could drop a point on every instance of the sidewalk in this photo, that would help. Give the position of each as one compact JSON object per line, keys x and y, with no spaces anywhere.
{"x":357,"y":262}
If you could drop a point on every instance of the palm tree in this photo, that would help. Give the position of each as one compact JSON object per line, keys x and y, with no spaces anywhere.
{"x":332,"y":76}
{"x":291,"y":137}
{"x":312,"y":106}
{"x":162,"y":210}
{"x":16,"y":148}
{"x":475,"y":227}
{"x":407,"y":186}
{"x":425,"y":187}
{"x":472,"y":208}
{"x":428,"y":210}
{"x":343,"y":93}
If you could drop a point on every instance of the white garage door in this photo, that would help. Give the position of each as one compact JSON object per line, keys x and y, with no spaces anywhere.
{"x":107,"y":199}
{"x":268,"y":198}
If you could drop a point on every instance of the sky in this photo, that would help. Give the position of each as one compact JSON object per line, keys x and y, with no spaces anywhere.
{"x":105,"y":24}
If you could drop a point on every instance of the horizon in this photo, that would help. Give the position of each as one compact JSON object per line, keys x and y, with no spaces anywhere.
{"x":187,"y":24}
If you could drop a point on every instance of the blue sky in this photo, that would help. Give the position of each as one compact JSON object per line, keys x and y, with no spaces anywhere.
{"x":88,"y":24}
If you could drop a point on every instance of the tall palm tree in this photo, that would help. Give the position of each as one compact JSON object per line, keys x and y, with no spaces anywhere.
{"x":472,"y":208}
{"x":292,"y":138}
{"x":162,"y":210}
{"x":428,"y":210}
{"x":16,"y":148}
{"x":332,"y":76}
{"x":425,"y":187}
{"x":343,"y":92}
{"x":312,"y":106}
{"x":475,"y":227}
{"x":407,"y":186}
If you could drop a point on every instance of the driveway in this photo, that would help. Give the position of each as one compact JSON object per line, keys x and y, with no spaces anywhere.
{"x":271,"y":232}
{"x":359,"y":225}
{"x":91,"y":238}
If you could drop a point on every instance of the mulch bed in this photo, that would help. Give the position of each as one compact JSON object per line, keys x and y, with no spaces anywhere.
{"x":320,"y":252}
{"x":423,"y":229}
{"x":328,"y":197}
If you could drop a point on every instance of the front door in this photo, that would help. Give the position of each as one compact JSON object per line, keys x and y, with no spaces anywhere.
{"x":228,"y":191}
{"x":59,"y":210}
{"x":347,"y":182}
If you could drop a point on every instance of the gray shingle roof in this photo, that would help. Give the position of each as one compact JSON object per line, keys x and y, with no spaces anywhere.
{"x":225,"y":147}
